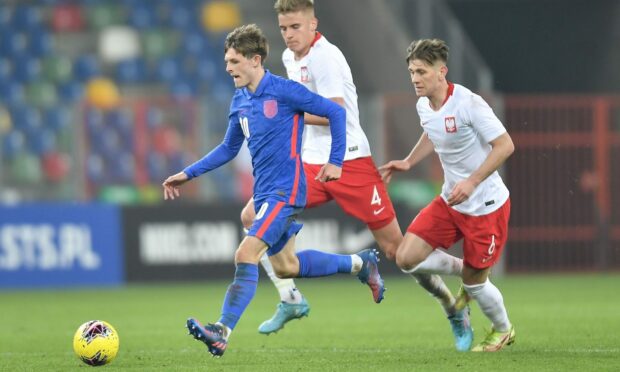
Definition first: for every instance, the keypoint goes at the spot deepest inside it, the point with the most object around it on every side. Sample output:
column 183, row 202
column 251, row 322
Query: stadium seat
column 67, row 18
column 26, row 169
column 118, row 43
column 57, row 118
column 12, row 93
column 143, row 16
column 26, row 69
column 168, row 69
column 57, row 68
column 132, row 71
column 13, row 143
column 157, row 44
column 26, row 119
column 26, row 17
column 6, row 70
column 184, row 88
column 13, row 44
column 122, row 122
column 86, row 67
column 41, row 94
column 56, row 166
column 184, row 17
column 156, row 166
column 95, row 168
column 40, row 42
column 220, row 16
column 71, row 91
column 123, row 166
column 102, row 15
column 42, row 142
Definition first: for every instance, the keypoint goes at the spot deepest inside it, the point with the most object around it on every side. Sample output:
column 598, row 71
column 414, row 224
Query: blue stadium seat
column 95, row 168
column 12, row 93
column 57, row 118
column 27, row 119
column 132, row 71
column 41, row 42
column 13, row 143
column 185, row 17
column 86, row 67
column 42, row 142
column 26, row 17
column 71, row 91
column 156, row 166
column 26, row 69
column 184, row 88
column 122, row 122
column 154, row 118
column 143, row 16
column 95, row 123
column 13, row 44
column 6, row 70
column 123, row 166
column 168, row 69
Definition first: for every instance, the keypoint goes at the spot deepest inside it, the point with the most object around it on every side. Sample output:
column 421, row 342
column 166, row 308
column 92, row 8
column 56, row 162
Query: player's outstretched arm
column 329, row 172
column 421, row 150
column 172, row 183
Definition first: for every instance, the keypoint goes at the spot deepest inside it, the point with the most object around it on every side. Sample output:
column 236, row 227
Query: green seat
column 41, row 94
column 104, row 15
column 158, row 43
column 26, row 169
column 57, row 69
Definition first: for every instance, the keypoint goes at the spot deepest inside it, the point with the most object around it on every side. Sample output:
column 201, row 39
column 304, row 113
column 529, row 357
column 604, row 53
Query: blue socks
column 317, row 263
column 239, row 294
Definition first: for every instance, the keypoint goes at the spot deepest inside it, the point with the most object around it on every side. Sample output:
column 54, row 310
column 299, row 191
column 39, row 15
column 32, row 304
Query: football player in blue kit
column 268, row 112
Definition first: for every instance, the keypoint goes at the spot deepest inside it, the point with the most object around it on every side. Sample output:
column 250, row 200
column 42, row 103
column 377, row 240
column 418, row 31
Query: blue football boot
column 284, row 313
column 369, row 274
column 213, row 335
column 462, row 330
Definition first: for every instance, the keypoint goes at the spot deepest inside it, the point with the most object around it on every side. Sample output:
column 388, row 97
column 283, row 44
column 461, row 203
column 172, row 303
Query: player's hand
column 329, row 172
column 461, row 192
column 171, row 185
column 387, row 170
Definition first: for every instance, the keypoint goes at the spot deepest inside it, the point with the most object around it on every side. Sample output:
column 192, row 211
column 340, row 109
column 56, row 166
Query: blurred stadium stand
column 101, row 100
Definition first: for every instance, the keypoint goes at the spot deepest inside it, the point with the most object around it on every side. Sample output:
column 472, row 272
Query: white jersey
column 460, row 132
column 325, row 71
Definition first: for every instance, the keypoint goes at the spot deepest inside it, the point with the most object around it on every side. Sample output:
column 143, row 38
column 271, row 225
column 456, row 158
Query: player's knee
column 285, row 272
column 406, row 260
column 247, row 217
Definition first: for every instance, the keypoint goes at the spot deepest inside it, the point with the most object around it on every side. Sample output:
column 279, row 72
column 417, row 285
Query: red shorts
column 360, row 192
column 483, row 237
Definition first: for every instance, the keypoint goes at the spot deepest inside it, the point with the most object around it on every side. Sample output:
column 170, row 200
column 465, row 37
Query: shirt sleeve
column 222, row 154
column 302, row 99
column 483, row 119
column 327, row 75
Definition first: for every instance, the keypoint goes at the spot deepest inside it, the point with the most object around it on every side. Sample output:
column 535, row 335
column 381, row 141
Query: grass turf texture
column 562, row 323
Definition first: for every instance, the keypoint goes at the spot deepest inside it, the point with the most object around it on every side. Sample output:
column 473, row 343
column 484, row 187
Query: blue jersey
column 272, row 121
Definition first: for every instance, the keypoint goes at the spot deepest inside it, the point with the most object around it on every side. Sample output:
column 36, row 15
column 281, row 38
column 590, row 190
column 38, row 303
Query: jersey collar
column 449, row 93
column 316, row 38
column 261, row 86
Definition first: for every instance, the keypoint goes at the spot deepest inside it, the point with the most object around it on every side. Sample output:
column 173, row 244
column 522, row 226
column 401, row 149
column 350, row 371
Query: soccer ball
column 96, row 343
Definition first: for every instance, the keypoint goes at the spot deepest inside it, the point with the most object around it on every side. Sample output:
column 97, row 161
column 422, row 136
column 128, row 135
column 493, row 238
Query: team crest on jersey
column 450, row 124
column 270, row 108
column 305, row 76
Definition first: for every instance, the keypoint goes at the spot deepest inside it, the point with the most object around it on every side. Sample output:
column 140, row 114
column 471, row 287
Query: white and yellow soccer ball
column 96, row 343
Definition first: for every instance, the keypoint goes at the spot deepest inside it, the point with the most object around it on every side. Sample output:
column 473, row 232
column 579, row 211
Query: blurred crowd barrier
column 563, row 177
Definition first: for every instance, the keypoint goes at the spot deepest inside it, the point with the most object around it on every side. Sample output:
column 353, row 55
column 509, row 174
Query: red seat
column 67, row 17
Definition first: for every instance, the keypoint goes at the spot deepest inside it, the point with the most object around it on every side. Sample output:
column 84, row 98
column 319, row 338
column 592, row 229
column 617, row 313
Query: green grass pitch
column 562, row 322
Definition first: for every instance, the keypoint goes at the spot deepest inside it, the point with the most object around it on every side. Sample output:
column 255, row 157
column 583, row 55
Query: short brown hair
column 290, row 6
column 428, row 50
column 248, row 40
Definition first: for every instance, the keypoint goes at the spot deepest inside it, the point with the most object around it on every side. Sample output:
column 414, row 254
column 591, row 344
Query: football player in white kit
column 319, row 65
column 474, row 203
